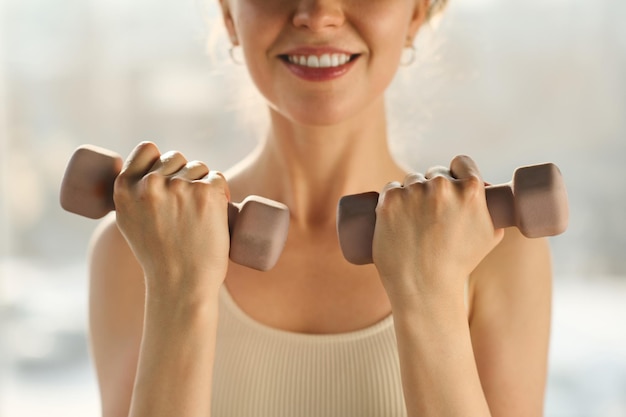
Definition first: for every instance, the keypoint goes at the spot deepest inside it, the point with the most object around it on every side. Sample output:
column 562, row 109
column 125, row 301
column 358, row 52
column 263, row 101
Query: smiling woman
column 316, row 334
column 177, row 329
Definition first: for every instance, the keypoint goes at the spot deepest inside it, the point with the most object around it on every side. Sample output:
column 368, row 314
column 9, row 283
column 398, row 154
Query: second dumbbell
column 535, row 201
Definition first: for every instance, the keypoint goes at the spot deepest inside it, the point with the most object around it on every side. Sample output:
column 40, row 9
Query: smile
column 321, row 61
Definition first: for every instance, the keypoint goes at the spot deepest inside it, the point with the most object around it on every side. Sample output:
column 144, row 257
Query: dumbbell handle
column 103, row 167
column 87, row 190
column 542, row 211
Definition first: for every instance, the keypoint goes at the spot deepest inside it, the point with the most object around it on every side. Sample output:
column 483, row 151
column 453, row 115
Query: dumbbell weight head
column 87, row 186
column 540, row 200
column 258, row 231
column 356, row 219
column 535, row 201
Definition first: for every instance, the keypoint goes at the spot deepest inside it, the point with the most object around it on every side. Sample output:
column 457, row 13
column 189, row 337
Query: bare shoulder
column 115, row 274
column 109, row 251
column 243, row 178
column 116, row 303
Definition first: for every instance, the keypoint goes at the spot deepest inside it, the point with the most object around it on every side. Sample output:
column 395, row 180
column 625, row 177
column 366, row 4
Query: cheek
column 387, row 32
column 257, row 19
column 386, row 48
column 256, row 39
column 258, row 28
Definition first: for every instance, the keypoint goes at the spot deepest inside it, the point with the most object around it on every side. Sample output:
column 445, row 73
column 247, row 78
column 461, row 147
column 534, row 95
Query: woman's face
column 318, row 62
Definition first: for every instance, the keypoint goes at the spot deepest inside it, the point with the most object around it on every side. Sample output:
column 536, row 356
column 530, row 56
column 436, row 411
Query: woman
column 452, row 319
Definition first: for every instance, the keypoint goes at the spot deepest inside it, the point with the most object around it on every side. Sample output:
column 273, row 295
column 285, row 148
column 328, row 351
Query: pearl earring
column 408, row 55
column 236, row 54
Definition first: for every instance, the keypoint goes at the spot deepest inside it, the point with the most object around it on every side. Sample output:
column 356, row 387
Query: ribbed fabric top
column 261, row 371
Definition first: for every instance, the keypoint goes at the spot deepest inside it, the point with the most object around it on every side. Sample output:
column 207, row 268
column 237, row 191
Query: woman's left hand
column 432, row 231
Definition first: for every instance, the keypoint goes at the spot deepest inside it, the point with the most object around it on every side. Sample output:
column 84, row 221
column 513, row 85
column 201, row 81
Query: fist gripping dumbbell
column 535, row 201
column 258, row 226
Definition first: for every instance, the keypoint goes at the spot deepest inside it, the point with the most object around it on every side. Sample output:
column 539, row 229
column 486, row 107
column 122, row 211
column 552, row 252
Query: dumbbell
column 535, row 201
column 258, row 226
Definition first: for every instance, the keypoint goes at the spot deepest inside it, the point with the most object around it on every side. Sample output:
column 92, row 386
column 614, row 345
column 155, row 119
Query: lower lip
column 320, row 74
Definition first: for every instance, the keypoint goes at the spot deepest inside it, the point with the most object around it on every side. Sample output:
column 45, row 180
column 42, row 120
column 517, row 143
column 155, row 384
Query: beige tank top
column 261, row 371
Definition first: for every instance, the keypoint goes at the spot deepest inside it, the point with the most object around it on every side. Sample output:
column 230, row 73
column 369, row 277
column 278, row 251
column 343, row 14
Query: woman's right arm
column 116, row 310
column 155, row 275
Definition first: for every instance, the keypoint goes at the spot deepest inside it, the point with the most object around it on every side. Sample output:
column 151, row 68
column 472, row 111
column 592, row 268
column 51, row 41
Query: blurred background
column 509, row 82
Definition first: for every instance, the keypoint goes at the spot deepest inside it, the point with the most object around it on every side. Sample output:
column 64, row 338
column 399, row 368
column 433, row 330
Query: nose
column 317, row 15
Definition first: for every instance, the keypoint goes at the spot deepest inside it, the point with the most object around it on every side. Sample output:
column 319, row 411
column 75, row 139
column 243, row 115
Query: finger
column 140, row 160
column 169, row 163
column 413, row 178
column 391, row 186
column 192, row 171
column 217, row 179
column 438, row 171
column 463, row 166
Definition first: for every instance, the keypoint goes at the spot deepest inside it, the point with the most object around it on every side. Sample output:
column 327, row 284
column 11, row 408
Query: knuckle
column 392, row 201
column 392, row 194
column 177, row 184
column 474, row 182
column 409, row 178
column 151, row 190
column 440, row 183
column 202, row 192
column 473, row 185
column 214, row 187
column 415, row 188
column 122, row 180
column 152, row 178
column 121, row 189
column 218, row 180
column 413, row 178
column 440, row 193
column 437, row 170
column 123, row 186
column 152, row 182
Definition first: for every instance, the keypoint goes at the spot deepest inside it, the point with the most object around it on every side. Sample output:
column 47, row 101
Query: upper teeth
column 324, row 61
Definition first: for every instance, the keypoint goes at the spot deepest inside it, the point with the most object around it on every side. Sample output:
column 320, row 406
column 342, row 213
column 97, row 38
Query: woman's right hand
column 174, row 215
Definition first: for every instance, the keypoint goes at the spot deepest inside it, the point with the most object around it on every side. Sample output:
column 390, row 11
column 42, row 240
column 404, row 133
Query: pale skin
column 157, row 265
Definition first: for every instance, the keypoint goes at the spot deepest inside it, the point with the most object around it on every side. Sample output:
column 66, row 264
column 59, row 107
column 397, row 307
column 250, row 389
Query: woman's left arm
column 497, row 365
column 431, row 234
column 509, row 316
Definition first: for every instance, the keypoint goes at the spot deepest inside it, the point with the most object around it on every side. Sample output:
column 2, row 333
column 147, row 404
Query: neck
column 311, row 168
